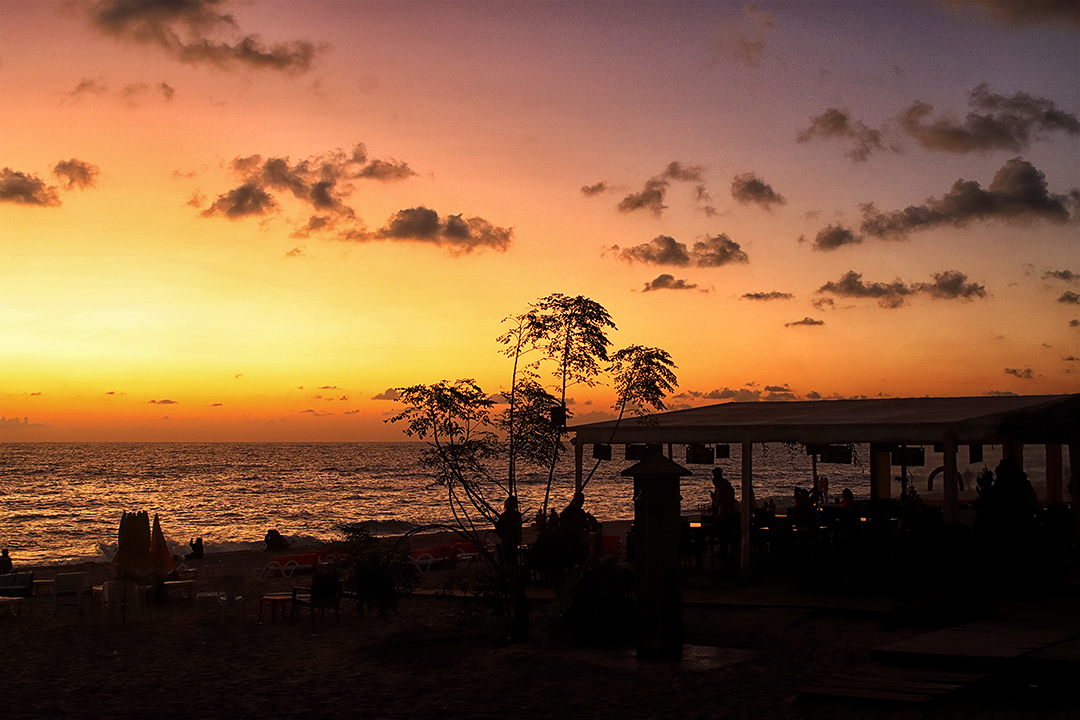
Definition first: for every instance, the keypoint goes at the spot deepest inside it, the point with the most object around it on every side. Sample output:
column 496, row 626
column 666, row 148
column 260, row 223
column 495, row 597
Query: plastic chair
column 325, row 592
column 228, row 599
column 71, row 591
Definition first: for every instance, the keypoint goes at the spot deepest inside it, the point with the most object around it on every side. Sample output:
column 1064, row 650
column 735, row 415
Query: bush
column 377, row 576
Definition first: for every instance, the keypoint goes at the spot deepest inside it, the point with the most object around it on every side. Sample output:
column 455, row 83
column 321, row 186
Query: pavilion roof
column 966, row 420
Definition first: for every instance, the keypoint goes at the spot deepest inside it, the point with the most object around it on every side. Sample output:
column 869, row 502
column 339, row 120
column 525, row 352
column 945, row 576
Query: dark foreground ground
column 748, row 650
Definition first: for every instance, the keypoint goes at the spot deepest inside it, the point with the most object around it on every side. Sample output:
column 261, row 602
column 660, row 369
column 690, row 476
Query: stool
column 278, row 603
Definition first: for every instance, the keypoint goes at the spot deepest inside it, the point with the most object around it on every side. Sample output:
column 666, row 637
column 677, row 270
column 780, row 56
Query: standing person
column 723, row 494
column 5, row 562
column 508, row 528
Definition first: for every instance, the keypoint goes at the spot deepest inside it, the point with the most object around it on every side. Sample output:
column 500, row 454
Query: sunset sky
column 249, row 220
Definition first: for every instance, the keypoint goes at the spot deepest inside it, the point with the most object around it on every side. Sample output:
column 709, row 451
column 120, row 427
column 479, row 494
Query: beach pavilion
column 887, row 425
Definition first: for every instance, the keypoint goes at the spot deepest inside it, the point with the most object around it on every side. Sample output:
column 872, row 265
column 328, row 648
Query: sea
column 61, row 503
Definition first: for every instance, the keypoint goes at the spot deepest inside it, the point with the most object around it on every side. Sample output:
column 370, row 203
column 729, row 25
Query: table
column 279, row 603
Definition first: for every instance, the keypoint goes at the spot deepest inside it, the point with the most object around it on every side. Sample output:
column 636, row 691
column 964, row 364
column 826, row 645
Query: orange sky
column 248, row 220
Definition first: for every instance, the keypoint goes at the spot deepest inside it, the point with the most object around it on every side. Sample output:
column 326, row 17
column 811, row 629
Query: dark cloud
column 591, row 190
column 888, row 295
column 666, row 250
column 246, row 200
column 726, row 393
column 185, row 29
column 822, row 303
column 1018, row 193
column 834, row 236
column 1005, row 123
column 650, row 198
column 775, row 295
column 1021, row 13
column 717, row 251
column 805, row 321
column 749, row 188
column 1074, row 323
column 458, row 234
column 951, row 285
column 76, row 173
column 777, row 388
column 661, row 250
column 22, row 189
column 947, row 285
column 742, row 40
column 161, row 402
column 1066, row 275
column 1069, row 297
column 1025, row 374
column 323, row 182
column 387, row 394
column 835, row 123
column 667, row 282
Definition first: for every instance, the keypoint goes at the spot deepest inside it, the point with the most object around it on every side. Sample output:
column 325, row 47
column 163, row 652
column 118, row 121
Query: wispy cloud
column 1023, row 374
column 748, row 188
column 190, row 31
column 1063, row 14
column 837, row 124
column 76, row 173
column 774, row 295
column 805, row 321
column 665, row 281
column 741, row 40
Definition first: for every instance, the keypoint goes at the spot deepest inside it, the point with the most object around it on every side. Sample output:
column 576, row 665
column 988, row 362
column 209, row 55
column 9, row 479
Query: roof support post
column 880, row 472
column 951, row 489
column 1053, row 474
column 747, row 508
column 1074, row 484
column 579, row 455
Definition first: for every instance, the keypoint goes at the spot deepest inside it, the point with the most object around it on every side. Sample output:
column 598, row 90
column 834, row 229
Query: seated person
column 275, row 541
column 5, row 562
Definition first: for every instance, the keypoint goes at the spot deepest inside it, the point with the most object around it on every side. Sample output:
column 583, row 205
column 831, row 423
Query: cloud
column 774, row 295
column 749, row 188
column 76, row 173
column 593, row 190
column 162, row 402
column 661, row 250
column 951, row 285
column 1005, row 123
column 742, row 40
column 667, row 282
column 1025, row 374
column 888, row 295
column 665, row 250
column 833, row 124
column 1017, row 194
column 832, row 237
column 244, row 201
column 805, row 321
column 1069, row 297
column 1066, row 275
column 185, row 29
column 22, row 189
column 322, row 182
column 1063, row 14
column 295, row 252
column 89, row 86
column 387, row 394
column 651, row 197
column 717, row 251
column 455, row 232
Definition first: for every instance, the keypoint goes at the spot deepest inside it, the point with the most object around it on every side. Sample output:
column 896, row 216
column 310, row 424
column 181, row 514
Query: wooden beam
column 747, row 508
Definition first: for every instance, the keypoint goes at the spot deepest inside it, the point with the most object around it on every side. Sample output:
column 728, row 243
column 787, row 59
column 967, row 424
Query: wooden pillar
column 1074, row 485
column 951, row 488
column 747, row 508
column 880, row 471
column 1053, row 475
column 579, row 455
column 657, row 557
column 1015, row 452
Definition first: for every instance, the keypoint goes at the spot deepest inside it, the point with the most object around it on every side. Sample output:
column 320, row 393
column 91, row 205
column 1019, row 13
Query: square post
column 747, row 508
column 951, row 489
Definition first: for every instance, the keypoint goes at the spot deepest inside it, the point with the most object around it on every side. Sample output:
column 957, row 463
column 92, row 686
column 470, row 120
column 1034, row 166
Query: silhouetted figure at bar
column 275, row 541
column 196, row 550
column 722, row 494
column 847, row 499
column 508, row 528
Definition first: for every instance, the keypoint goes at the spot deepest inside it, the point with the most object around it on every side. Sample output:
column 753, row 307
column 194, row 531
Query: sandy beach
column 748, row 649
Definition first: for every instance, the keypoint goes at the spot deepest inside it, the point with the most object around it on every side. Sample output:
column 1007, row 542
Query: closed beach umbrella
column 132, row 557
column 161, row 563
